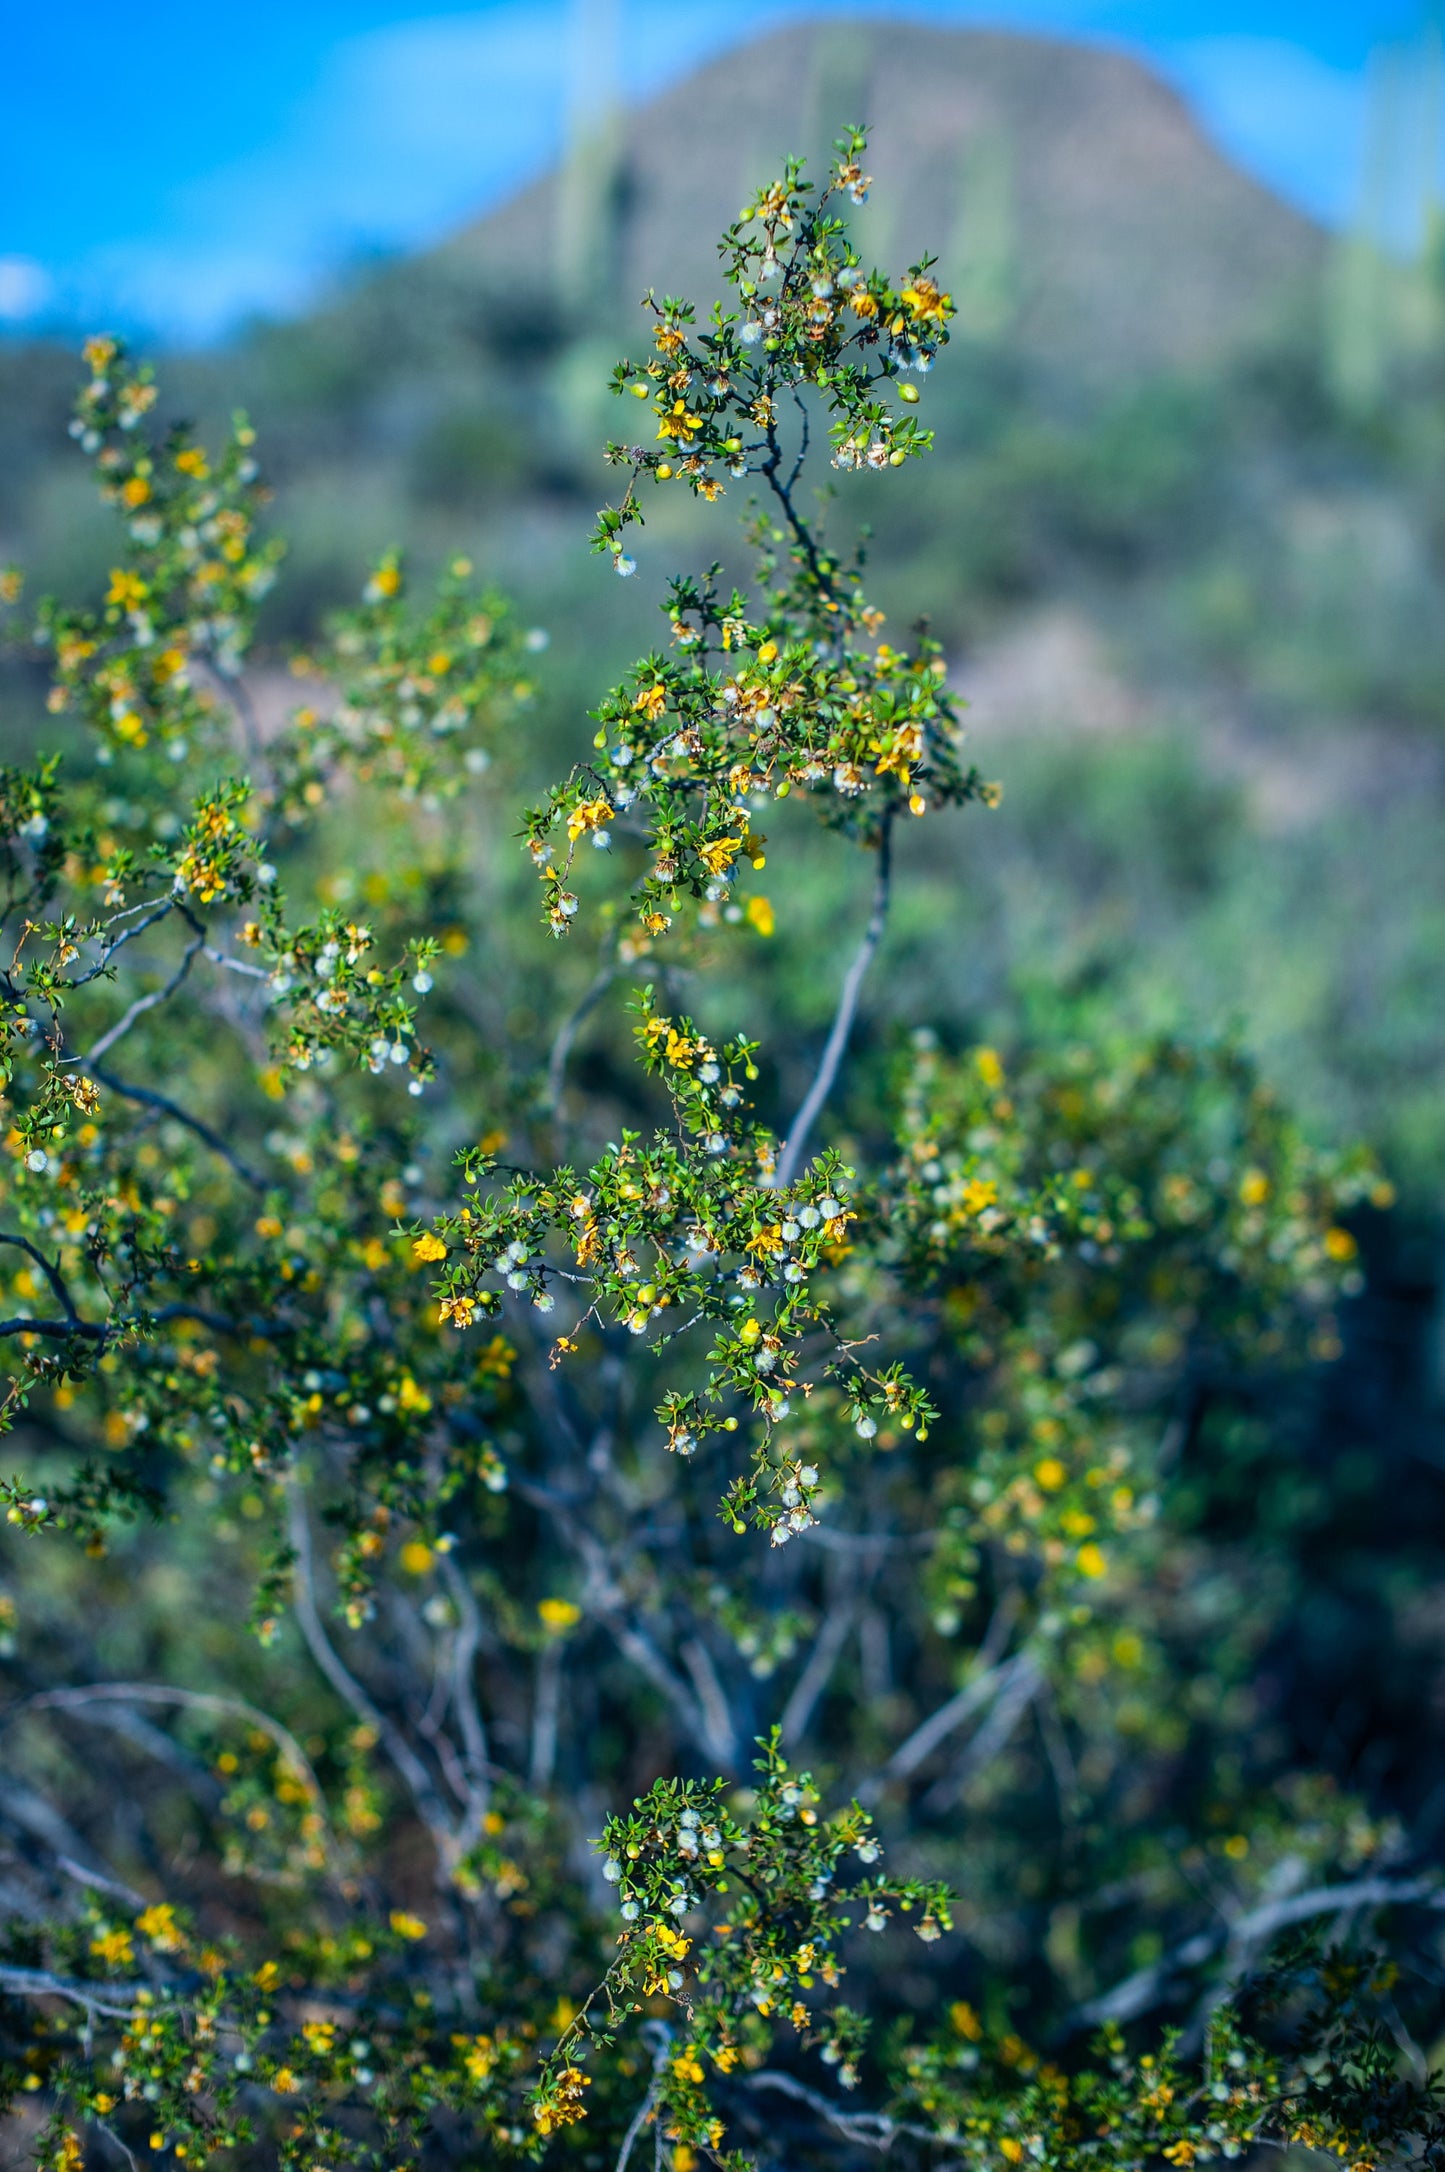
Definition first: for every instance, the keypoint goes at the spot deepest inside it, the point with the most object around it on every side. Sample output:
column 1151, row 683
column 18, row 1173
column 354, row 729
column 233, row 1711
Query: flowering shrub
column 446, row 1378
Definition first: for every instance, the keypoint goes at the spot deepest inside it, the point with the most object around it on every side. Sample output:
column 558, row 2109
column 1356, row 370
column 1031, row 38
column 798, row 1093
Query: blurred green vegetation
column 1248, row 549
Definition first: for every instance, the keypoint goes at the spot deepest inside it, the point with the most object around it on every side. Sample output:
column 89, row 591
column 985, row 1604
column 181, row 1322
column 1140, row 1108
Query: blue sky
column 180, row 166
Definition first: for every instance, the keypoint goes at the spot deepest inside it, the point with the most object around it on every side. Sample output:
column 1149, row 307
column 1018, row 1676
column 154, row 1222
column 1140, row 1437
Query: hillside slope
column 1070, row 194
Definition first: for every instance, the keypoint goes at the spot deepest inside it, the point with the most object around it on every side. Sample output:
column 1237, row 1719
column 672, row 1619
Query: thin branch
column 93, row 1878
column 38, row 1983
column 874, row 2130
column 939, row 1725
column 234, row 965
column 1010, row 1705
column 191, row 1700
column 127, row 935
column 476, row 1757
column 142, row 1004
column 152, row 1100
column 822, row 1085
column 546, row 1704
column 49, row 1268
column 429, row 1805
column 720, row 1735
column 567, row 1033
column 783, row 492
column 648, row 2105
column 1148, row 1986
column 811, row 1683
column 58, row 1330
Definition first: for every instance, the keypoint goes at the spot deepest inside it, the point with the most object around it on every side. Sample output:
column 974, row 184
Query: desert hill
column 1070, row 194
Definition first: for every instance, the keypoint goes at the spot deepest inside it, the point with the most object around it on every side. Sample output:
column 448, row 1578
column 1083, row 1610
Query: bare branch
column 429, row 1805
column 38, row 1983
column 939, row 1725
column 1010, row 1704
column 546, row 1703
column 476, row 1759
column 842, row 1026
column 648, row 2105
column 49, row 1268
column 567, row 1033
column 142, row 1004
column 192, row 1700
column 148, row 1098
column 127, row 935
column 811, row 1683
column 874, row 2130
column 720, row 1735
column 1148, row 1986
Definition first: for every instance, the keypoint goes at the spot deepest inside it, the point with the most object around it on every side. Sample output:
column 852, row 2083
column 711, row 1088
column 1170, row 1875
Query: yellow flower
column 407, row 1926
column 192, row 461
column 1340, row 1245
column 1254, row 1188
column 558, row 1615
column 989, row 1068
column 588, row 814
column 158, row 1924
column 1050, row 1474
column 135, row 491
column 565, row 2105
column 126, row 589
column 416, row 1557
column 718, row 854
column 427, row 1248
column 926, row 303
column 113, row 1947
column 760, row 915
column 1092, row 1561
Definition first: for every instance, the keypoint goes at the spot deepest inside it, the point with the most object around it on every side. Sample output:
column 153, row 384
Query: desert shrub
column 544, row 1621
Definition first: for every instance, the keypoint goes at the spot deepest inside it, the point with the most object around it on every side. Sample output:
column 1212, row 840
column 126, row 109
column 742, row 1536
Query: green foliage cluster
column 280, row 1275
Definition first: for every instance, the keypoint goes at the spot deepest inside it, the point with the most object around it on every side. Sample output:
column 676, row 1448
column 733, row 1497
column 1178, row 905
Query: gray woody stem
column 822, row 1084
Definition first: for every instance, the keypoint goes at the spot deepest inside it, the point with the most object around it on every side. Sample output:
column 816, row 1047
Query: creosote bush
column 584, row 1458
